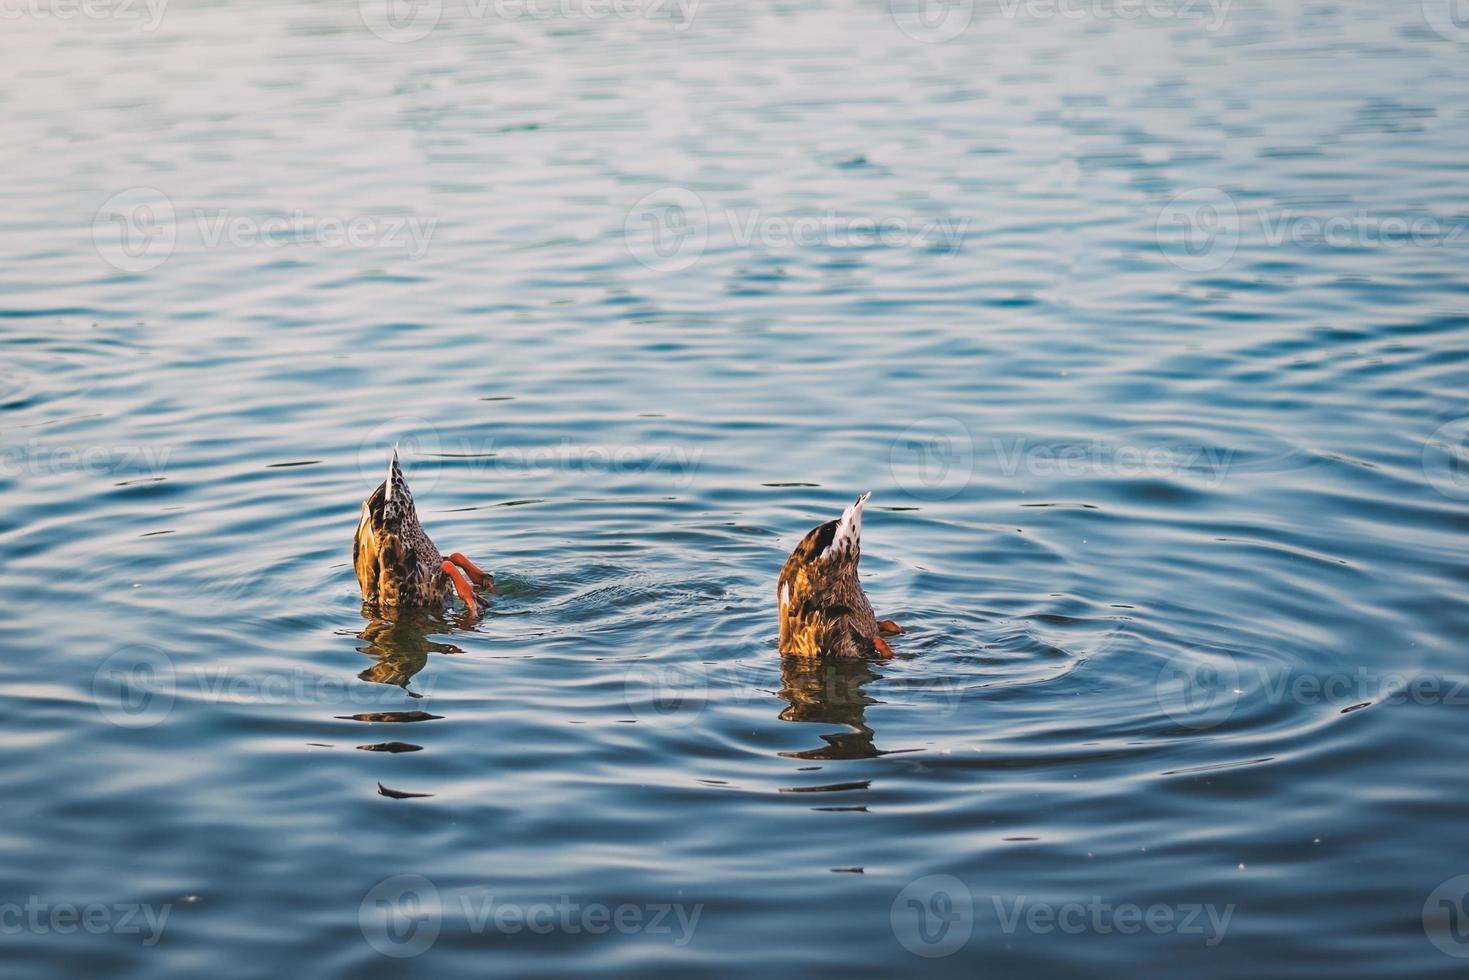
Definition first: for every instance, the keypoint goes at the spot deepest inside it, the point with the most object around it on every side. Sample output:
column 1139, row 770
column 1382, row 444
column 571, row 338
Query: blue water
column 1150, row 336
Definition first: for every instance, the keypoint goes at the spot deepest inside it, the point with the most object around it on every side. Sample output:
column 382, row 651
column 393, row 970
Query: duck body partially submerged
column 823, row 610
column 397, row 563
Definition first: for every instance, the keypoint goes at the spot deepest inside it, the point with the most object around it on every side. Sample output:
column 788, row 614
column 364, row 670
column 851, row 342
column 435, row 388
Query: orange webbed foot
column 888, row 628
column 477, row 575
column 461, row 585
column 881, row 646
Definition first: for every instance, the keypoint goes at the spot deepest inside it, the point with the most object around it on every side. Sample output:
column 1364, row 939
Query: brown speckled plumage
column 823, row 611
column 397, row 564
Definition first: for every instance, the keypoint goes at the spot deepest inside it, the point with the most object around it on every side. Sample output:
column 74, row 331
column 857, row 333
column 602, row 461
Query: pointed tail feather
column 849, row 528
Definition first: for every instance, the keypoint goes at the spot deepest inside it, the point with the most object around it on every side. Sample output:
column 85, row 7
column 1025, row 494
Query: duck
column 397, row 564
column 823, row 610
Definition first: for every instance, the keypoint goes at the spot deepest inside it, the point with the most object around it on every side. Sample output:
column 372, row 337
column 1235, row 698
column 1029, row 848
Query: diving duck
column 397, row 565
column 823, row 611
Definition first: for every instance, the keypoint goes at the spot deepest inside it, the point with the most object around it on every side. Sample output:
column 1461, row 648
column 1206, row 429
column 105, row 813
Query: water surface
column 1152, row 349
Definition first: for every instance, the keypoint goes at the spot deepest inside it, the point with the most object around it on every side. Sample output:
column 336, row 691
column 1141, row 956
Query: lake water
column 1149, row 334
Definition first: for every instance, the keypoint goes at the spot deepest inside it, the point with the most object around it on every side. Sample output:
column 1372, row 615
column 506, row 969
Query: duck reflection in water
column 400, row 647
column 830, row 691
